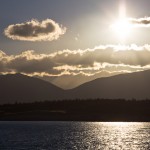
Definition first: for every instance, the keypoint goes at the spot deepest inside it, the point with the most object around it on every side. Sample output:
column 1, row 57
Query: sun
column 122, row 28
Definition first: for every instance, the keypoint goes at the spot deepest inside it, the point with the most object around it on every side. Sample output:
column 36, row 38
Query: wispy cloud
column 140, row 22
column 89, row 61
column 78, row 66
column 46, row 30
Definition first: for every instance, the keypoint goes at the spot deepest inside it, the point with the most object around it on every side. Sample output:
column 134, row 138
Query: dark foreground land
column 78, row 110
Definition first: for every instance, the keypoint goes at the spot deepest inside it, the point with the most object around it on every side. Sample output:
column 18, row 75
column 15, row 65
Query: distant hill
column 131, row 85
column 21, row 88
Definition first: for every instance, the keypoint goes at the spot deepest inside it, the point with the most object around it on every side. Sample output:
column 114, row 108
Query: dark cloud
column 90, row 63
column 3, row 62
column 132, row 55
column 141, row 22
column 29, row 62
column 78, row 66
column 33, row 30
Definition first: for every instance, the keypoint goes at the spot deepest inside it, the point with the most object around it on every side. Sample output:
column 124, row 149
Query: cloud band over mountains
column 88, row 62
column 46, row 30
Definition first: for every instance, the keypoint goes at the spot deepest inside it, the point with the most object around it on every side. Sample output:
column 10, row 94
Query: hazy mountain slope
column 18, row 87
column 132, row 85
column 21, row 88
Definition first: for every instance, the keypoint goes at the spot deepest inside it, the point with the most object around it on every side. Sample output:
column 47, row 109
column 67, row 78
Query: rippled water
column 74, row 135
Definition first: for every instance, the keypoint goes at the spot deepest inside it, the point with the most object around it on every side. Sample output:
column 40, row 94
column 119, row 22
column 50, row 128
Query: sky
column 70, row 42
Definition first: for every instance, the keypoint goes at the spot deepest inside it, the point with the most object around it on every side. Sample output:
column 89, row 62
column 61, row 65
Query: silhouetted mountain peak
column 128, row 86
column 22, row 88
column 141, row 74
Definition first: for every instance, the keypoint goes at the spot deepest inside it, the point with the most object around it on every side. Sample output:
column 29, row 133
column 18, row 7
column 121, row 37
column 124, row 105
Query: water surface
column 74, row 135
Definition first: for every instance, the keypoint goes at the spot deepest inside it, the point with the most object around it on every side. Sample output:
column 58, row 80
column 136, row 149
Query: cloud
column 46, row 30
column 111, row 54
column 3, row 62
column 88, row 64
column 75, row 61
column 140, row 22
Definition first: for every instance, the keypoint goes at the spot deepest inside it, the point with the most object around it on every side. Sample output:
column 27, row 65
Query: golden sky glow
column 77, row 41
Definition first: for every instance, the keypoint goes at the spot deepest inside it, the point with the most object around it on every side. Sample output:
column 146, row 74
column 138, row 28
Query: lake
column 74, row 135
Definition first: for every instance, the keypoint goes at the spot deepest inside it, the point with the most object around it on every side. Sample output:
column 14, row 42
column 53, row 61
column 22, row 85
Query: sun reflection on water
column 121, row 135
column 75, row 135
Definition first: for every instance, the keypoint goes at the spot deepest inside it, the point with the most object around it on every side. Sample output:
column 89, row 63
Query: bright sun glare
column 122, row 28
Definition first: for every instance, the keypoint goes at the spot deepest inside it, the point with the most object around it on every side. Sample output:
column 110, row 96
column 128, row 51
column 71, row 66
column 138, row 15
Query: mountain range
column 22, row 88
column 127, row 86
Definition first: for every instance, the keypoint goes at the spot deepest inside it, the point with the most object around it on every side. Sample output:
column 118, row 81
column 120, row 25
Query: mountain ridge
column 126, row 86
column 22, row 88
